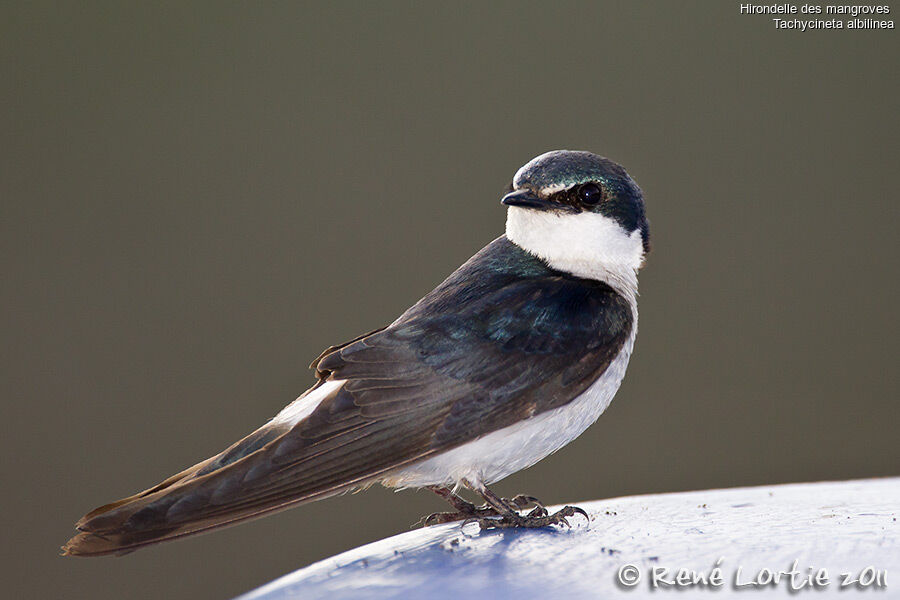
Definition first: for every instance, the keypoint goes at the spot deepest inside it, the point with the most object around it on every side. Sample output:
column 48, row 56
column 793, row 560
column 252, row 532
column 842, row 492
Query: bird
column 506, row 361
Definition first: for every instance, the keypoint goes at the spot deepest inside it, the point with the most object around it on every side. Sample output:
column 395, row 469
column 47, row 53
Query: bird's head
column 579, row 212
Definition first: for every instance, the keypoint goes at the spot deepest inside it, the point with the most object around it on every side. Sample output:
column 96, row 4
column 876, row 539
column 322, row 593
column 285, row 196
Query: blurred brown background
column 196, row 200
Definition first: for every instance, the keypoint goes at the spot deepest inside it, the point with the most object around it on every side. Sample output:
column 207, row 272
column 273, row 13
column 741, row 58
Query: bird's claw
column 538, row 517
column 580, row 511
column 505, row 515
column 437, row 519
column 522, row 501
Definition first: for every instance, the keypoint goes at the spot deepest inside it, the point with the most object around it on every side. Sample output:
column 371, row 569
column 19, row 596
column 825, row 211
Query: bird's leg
column 456, row 501
column 464, row 508
column 509, row 516
column 495, row 506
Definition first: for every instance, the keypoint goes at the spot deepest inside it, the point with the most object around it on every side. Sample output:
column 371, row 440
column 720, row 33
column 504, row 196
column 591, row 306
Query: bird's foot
column 477, row 512
column 538, row 517
column 466, row 511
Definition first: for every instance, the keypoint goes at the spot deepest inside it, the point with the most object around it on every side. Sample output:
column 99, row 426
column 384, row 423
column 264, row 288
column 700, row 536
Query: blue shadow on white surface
column 839, row 526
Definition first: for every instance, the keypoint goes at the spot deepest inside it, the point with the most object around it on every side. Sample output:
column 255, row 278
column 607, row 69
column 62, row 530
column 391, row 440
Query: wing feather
column 502, row 339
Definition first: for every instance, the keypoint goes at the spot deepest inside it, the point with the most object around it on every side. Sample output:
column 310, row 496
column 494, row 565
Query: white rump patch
column 303, row 406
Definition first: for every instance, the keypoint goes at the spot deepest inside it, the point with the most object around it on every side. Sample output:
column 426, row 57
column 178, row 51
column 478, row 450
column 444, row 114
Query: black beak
column 528, row 199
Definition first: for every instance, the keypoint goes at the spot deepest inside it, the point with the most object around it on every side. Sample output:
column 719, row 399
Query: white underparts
column 499, row 454
column 587, row 245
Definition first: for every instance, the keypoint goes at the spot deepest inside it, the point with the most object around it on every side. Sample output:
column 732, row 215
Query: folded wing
column 456, row 366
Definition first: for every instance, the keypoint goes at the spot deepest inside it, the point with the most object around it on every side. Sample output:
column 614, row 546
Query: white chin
column 584, row 244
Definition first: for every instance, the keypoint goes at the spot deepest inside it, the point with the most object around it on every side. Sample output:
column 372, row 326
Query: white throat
column 585, row 244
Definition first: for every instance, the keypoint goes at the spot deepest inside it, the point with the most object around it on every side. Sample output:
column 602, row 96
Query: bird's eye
column 590, row 194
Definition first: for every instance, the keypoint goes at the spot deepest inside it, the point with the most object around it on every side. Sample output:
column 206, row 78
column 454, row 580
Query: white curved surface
column 839, row 526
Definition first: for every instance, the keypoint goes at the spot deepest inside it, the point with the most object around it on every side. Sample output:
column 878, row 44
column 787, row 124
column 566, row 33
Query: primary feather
column 457, row 366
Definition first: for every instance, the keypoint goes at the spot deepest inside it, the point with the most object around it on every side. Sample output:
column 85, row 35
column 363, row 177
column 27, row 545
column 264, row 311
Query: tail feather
column 283, row 464
column 209, row 495
column 106, row 508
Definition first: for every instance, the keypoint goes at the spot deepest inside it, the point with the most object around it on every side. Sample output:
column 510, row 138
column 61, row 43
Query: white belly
column 499, row 454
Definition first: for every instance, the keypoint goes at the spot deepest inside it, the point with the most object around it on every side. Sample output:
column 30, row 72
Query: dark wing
column 456, row 366
column 528, row 347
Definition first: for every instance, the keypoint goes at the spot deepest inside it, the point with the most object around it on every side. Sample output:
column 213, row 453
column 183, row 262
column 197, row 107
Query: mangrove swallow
column 505, row 362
